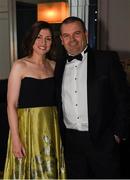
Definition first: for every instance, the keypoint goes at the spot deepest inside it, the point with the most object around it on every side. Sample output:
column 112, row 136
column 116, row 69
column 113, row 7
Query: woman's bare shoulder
column 19, row 67
column 20, row 63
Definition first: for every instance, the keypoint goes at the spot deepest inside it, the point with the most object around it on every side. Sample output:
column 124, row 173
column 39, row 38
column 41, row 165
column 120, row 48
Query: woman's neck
column 39, row 60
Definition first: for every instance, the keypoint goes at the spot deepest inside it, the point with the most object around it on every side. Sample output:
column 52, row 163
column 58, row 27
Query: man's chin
column 74, row 53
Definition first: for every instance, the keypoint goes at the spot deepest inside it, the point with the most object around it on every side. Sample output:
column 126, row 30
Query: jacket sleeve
column 121, row 92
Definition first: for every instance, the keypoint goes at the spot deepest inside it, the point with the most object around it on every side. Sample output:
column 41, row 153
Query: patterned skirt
column 39, row 133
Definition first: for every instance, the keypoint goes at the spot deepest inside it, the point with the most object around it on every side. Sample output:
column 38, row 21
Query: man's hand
column 118, row 140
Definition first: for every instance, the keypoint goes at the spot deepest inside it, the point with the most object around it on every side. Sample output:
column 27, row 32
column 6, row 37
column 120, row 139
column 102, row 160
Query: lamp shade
column 53, row 12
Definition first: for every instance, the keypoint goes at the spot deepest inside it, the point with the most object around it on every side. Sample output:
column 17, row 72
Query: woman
column 34, row 145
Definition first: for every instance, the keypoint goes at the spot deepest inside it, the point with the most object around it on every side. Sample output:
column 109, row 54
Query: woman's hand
column 18, row 148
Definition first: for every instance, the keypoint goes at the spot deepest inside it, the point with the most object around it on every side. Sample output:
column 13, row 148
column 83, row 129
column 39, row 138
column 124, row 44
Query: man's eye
column 65, row 36
column 77, row 33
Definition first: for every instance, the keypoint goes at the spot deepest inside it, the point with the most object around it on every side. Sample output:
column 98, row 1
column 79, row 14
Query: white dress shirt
column 74, row 94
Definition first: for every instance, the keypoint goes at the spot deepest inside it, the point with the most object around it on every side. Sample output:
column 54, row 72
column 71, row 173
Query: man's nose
column 72, row 38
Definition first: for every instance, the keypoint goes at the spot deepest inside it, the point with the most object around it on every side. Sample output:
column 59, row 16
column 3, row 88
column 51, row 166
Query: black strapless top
column 37, row 92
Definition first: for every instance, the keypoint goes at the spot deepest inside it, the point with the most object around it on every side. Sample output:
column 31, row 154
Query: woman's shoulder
column 20, row 63
column 19, row 66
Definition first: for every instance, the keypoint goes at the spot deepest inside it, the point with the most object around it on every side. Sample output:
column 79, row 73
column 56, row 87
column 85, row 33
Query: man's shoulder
column 104, row 54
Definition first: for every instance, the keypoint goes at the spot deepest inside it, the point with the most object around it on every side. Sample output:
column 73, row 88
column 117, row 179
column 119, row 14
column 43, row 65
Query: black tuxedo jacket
column 107, row 90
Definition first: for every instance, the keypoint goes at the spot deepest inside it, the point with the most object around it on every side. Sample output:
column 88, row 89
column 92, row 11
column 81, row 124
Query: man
column 94, row 95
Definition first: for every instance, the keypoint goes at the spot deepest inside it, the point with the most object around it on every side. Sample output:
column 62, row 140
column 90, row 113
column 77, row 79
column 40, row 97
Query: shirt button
column 76, row 104
column 75, row 91
column 75, row 78
column 77, row 117
column 75, row 66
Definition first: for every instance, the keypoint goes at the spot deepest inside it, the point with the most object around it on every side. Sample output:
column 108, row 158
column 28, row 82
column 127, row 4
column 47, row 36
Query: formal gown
column 39, row 133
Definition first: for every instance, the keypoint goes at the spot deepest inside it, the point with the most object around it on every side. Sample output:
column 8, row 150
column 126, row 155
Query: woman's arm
column 14, row 83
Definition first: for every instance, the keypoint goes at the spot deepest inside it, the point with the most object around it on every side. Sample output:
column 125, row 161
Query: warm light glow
column 53, row 12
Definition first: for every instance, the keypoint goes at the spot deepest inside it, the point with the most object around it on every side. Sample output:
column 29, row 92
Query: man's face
column 73, row 37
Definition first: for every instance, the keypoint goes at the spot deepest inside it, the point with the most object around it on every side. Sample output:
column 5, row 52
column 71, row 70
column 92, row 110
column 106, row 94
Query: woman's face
column 43, row 42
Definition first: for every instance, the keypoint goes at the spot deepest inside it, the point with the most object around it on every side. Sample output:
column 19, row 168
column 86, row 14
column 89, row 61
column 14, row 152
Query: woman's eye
column 49, row 39
column 38, row 37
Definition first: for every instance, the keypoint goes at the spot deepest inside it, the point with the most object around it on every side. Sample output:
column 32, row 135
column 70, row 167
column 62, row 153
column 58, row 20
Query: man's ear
column 86, row 33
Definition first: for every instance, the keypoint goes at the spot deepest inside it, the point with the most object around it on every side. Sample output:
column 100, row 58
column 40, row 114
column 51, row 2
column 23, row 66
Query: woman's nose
column 43, row 41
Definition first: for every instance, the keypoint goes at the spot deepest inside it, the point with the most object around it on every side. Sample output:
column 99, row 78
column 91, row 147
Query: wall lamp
column 52, row 12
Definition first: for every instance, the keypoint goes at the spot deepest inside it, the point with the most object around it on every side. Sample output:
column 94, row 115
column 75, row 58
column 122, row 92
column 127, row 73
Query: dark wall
column 26, row 15
column 4, row 127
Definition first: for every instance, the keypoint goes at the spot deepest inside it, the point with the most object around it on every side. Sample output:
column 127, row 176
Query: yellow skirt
column 39, row 133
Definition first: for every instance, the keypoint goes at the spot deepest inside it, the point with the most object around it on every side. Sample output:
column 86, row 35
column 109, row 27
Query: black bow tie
column 78, row 57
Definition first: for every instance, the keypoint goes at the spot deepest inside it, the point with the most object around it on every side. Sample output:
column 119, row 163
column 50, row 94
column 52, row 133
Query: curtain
column 80, row 9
